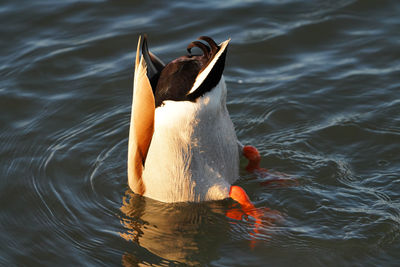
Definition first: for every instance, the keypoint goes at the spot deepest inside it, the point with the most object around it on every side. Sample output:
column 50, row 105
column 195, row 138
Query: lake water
column 314, row 85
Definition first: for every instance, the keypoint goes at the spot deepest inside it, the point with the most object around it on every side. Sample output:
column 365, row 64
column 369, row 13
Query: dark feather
column 154, row 64
column 177, row 77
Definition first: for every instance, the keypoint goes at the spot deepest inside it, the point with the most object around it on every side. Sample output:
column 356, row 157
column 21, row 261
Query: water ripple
column 313, row 85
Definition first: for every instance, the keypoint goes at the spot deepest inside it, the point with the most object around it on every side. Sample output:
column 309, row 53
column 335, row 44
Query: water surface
column 314, row 85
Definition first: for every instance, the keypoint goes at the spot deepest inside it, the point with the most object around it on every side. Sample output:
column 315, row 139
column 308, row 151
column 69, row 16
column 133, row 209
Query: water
column 313, row 84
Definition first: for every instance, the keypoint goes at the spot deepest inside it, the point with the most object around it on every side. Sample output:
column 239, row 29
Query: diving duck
column 182, row 142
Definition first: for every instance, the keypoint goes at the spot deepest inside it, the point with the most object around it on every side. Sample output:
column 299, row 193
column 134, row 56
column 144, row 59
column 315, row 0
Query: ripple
column 313, row 85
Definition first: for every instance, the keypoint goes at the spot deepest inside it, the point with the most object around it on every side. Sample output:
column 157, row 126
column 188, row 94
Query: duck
column 182, row 143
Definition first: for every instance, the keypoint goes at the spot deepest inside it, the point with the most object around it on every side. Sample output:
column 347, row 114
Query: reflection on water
column 185, row 232
column 176, row 232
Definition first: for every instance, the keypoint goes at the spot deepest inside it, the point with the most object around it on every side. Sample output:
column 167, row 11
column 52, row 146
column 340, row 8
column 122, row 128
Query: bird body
column 182, row 143
column 193, row 155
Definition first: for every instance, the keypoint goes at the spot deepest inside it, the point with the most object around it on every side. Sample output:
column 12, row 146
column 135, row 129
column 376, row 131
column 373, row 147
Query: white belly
column 193, row 155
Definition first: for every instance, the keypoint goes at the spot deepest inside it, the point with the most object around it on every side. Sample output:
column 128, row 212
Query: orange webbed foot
column 274, row 179
column 247, row 208
column 262, row 217
column 253, row 156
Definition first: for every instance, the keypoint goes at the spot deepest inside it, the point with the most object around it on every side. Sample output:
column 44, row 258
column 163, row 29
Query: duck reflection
column 188, row 233
column 177, row 232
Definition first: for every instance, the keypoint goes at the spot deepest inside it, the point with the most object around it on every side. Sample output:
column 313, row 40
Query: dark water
column 315, row 85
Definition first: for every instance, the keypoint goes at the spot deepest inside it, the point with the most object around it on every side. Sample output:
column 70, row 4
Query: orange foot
column 251, row 153
column 274, row 179
column 263, row 216
column 247, row 209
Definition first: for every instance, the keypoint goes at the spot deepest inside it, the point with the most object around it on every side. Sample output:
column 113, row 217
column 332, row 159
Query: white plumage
column 193, row 154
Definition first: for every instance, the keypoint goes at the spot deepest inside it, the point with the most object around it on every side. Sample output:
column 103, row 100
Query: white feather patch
column 203, row 75
column 193, row 155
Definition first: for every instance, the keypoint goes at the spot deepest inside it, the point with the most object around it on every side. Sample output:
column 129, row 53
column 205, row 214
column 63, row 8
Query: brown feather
column 142, row 124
